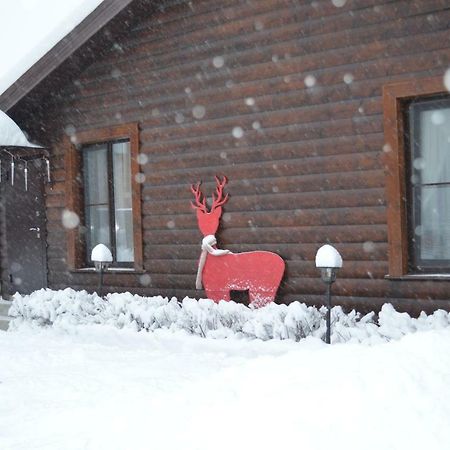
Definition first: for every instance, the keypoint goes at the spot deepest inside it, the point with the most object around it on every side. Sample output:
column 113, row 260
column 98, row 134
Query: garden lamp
column 328, row 260
column 101, row 256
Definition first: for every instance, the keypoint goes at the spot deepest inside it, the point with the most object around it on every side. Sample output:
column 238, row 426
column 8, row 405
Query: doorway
column 24, row 224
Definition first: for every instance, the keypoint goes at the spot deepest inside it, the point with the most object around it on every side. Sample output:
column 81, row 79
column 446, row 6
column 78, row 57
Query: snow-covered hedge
column 205, row 318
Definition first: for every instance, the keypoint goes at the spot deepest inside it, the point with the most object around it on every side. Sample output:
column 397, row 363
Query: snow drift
column 67, row 308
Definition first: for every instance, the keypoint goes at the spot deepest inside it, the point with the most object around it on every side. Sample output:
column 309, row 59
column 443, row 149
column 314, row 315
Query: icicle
column 48, row 170
column 26, row 175
column 12, row 171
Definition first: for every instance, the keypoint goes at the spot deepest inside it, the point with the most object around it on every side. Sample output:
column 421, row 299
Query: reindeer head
column 208, row 221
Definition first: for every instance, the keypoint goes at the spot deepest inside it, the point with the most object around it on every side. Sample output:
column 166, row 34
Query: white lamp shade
column 101, row 253
column 328, row 256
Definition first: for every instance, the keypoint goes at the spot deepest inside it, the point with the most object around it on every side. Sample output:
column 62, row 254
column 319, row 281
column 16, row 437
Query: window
column 102, row 189
column 108, row 200
column 428, row 150
column 417, row 163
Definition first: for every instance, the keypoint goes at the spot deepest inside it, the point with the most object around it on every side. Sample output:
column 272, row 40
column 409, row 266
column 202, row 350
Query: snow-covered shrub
column 206, row 318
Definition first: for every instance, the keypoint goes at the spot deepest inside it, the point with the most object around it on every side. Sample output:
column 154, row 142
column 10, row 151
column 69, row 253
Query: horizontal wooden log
column 347, row 234
column 284, row 202
column 273, row 169
column 307, row 269
column 250, row 137
column 236, row 187
column 306, row 217
column 321, row 147
column 301, row 252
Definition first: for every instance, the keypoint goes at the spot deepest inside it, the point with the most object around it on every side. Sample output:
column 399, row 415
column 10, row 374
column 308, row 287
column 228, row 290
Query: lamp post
column 328, row 260
column 102, row 258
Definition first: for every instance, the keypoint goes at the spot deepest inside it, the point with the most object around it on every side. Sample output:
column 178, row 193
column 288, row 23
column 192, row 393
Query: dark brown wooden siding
column 307, row 169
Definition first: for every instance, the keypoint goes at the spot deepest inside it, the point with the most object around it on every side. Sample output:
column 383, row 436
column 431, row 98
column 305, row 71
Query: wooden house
column 330, row 119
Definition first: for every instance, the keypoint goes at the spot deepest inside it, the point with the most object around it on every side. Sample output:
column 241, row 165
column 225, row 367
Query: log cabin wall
column 301, row 81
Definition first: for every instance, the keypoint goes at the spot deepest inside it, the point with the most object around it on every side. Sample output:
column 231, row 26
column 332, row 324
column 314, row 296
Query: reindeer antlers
column 200, row 203
column 218, row 198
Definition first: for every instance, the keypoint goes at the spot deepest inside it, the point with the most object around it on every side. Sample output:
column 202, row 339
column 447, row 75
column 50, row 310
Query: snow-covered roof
column 11, row 135
column 77, row 21
column 30, row 28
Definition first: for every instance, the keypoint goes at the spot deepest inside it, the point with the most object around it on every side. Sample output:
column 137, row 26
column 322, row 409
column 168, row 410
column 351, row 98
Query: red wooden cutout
column 220, row 271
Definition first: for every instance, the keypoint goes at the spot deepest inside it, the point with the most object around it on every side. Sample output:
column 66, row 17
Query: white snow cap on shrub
column 68, row 309
column 101, row 253
column 328, row 256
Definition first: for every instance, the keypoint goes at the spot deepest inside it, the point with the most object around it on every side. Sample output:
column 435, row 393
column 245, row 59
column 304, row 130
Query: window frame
column 76, row 248
column 108, row 145
column 396, row 97
column 414, row 205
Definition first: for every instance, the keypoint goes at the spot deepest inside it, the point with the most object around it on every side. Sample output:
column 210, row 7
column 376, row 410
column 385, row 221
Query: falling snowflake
column 348, row 78
column 368, row 246
column 145, row 279
column 218, row 62
column 310, row 81
column 237, row 132
column 70, row 219
column 179, row 117
column 142, row 159
column 198, row 111
column 140, row 178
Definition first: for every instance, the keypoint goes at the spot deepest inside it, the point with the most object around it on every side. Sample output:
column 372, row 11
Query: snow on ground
column 34, row 26
column 97, row 387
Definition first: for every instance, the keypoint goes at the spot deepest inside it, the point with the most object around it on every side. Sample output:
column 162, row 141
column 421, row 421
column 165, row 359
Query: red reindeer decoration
column 221, row 271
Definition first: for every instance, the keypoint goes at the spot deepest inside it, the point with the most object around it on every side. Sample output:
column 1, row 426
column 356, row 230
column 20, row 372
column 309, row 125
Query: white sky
column 30, row 28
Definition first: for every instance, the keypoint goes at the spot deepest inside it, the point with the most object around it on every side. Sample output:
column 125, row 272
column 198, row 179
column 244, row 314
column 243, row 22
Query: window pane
column 96, row 175
column 123, row 211
column 434, row 229
column 97, row 224
column 434, row 159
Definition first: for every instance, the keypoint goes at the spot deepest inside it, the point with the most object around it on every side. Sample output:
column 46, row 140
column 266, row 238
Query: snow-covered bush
column 208, row 319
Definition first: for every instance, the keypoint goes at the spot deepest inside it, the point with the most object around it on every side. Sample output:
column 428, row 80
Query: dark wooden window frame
column 396, row 97
column 74, row 188
column 413, row 139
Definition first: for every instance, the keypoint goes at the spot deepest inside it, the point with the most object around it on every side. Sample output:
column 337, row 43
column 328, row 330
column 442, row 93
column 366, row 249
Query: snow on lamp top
column 11, row 135
column 101, row 253
column 328, row 256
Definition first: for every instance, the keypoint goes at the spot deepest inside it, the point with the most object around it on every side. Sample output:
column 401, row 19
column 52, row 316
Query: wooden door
column 25, row 223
